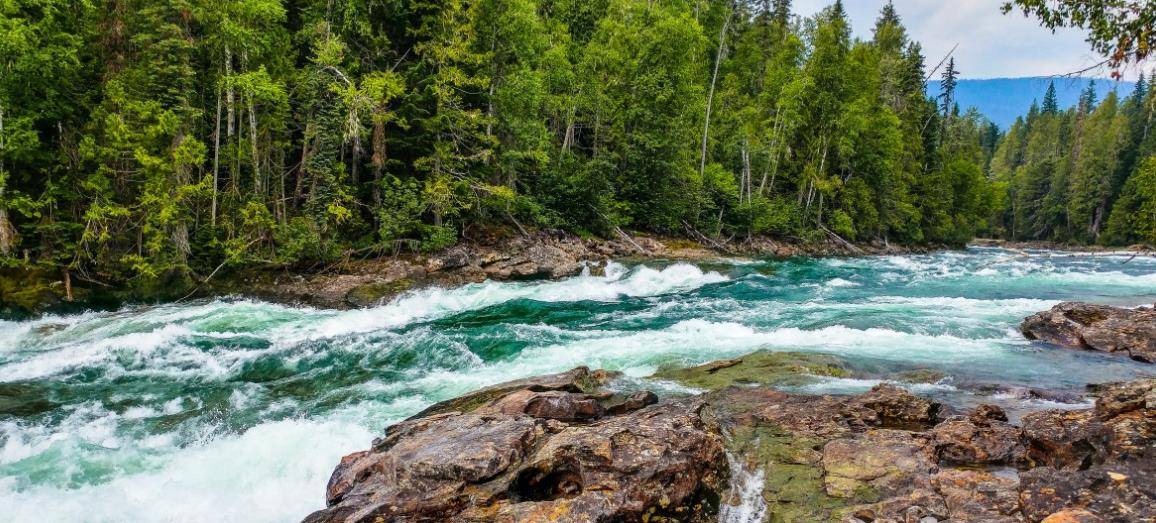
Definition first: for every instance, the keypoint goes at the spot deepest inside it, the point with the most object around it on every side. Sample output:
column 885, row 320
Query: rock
column 1073, row 516
column 661, row 460
column 454, row 258
column 1114, row 399
column 617, row 406
column 551, row 404
column 559, row 448
column 1103, row 460
column 977, row 440
column 1046, row 491
column 371, row 294
column 1065, row 439
column 579, row 380
column 880, row 464
column 760, row 368
column 896, row 407
column 970, row 494
column 1131, row 332
column 987, row 413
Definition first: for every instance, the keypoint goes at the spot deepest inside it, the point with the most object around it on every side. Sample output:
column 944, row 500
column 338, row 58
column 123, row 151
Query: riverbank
column 497, row 255
column 1053, row 246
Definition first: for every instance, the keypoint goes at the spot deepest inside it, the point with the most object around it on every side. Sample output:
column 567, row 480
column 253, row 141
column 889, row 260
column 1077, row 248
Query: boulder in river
column 538, row 450
column 1131, row 332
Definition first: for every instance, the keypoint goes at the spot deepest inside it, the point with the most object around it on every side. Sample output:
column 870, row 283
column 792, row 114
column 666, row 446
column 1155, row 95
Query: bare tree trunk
column 216, row 162
column 67, row 285
column 258, row 187
column 710, row 97
column 745, row 187
column 254, row 150
column 378, row 159
column 7, row 232
column 231, row 113
column 299, row 190
column 773, row 159
column 180, row 230
column 568, row 138
column 493, row 85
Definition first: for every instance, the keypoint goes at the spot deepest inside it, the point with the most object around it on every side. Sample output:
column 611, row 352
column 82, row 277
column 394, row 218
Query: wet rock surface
column 538, row 450
column 1129, row 332
column 561, row 448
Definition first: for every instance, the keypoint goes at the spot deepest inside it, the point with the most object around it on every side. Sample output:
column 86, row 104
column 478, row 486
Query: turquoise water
column 237, row 410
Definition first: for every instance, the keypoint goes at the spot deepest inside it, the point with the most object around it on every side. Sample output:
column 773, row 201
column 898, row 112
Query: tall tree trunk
column 231, row 113
column 258, row 187
column 299, row 189
column 180, row 230
column 216, row 162
column 378, row 159
column 7, row 232
column 713, row 81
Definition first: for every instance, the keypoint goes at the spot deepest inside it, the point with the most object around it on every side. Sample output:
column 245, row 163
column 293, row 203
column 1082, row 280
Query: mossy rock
column 25, row 292
column 920, row 376
column 793, row 477
column 772, row 369
column 372, row 294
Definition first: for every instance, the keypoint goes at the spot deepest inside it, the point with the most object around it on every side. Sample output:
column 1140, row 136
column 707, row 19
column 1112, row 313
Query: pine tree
column 1141, row 90
column 947, row 88
column 1051, row 103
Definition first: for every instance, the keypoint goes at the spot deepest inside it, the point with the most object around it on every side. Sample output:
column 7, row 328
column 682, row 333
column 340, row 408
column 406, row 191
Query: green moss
column 776, row 369
column 920, row 376
column 28, row 291
column 373, row 293
column 793, row 484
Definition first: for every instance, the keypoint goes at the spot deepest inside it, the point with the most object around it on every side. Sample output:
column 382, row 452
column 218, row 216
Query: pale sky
column 991, row 45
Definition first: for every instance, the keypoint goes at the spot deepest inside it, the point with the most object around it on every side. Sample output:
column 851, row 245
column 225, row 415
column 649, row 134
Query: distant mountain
column 1004, row 99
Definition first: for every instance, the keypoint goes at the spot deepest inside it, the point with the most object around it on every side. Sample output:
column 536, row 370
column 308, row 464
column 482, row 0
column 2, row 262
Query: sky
column 991, row 44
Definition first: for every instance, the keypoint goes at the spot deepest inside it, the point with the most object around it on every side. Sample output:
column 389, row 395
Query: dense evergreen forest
column 1086, row 174
column 142, row 140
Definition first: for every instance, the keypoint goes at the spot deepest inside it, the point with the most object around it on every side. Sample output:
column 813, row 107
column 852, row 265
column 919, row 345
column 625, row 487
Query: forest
column 1082, row 175
column 154, row 140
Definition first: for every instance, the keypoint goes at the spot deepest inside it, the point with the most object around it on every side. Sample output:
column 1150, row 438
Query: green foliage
column 159, row 139
column 1075, row 175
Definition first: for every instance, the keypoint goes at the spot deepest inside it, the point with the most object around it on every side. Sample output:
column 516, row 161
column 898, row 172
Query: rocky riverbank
column 505, row 256
column 1069, row 247
column 578, row 447
column 360, row 282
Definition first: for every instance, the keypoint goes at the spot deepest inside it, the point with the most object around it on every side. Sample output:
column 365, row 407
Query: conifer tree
column 1051, row 104
column 947, row 87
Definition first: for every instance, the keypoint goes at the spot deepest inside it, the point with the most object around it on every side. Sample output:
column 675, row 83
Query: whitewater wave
column 691, row 342
column 617, row 282
column 270, row 473
column 211, row 339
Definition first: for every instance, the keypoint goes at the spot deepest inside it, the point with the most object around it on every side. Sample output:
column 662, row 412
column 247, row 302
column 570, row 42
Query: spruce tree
column 1051, row 104
column 947, row 88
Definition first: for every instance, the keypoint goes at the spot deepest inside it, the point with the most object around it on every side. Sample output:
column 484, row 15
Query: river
column 238, row 410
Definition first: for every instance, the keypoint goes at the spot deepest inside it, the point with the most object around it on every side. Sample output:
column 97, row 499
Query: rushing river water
column 235, row 410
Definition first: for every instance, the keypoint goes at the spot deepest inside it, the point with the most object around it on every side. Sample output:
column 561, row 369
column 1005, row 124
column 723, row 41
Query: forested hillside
column 149, row 138
column 1002, row 100
column 1086, row 174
